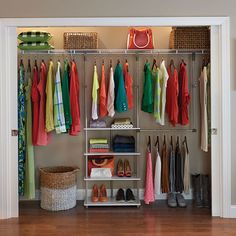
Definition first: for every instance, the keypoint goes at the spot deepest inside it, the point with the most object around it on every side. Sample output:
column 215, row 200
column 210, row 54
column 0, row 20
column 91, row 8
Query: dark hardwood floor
column 156, row 219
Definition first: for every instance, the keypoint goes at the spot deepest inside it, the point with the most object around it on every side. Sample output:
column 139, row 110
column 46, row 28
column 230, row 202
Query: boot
column 197, row 190
column 206, row 191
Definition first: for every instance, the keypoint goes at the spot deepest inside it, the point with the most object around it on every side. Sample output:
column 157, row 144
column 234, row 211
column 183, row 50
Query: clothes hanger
column 157, row 142
column 164, row 143
column 29, row 65
column 118, row 61
column 110, row 63
column 185, row 140
column 21, row 62
column 171, row 142
column 102, row 61
column 149, row 142
column 203, row 63
column 177, row 141
column 154, row 63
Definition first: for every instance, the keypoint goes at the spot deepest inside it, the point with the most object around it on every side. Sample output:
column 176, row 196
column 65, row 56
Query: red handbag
column 101, row 162
column 140, row 39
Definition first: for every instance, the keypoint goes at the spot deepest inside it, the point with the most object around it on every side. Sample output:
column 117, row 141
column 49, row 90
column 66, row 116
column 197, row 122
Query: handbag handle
column 101, row 164
column 141, row 47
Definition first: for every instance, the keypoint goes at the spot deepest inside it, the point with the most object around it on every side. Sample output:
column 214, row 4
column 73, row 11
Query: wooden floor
column 156, row 219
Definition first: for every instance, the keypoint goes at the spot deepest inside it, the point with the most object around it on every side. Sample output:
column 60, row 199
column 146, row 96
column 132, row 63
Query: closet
column 64, row 149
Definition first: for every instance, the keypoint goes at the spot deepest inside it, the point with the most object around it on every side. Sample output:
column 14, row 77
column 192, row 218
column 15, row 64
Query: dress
column 35, row 101
column 74, row 100
column 156, row 74
column 157, row 174
column 21, row 131
column 184, row 97
column 163, row 84
column 42, row 139
column 111, row 95
column 128, row 85
column 179, row 186
column 103, row 95
column 164, row 170
column 186, row 169
column 59, row 119
column 49, row 98
column 29, row 160
column 95, row 94
column 147, row 99
column 172, row 96
column 172, row 170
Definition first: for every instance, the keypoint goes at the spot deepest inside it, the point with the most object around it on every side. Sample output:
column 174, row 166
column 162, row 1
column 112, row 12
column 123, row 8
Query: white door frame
column 220, row 65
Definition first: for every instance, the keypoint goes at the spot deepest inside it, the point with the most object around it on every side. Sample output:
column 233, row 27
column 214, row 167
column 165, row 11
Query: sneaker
column 180, row 200
column 129, row 196
column 120, row 196
column 171, row 200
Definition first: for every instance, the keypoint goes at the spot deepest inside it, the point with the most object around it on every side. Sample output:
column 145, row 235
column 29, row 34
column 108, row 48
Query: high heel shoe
column 120, row 168
column 103, row 194
column 127, row 168
column 95, row 193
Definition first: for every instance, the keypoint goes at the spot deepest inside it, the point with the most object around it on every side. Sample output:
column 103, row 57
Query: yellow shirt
column 49, row 98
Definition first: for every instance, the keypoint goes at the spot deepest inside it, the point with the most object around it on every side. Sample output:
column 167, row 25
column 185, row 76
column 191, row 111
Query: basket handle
column 141, row 47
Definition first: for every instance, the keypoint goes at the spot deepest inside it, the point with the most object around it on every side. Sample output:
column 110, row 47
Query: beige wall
column 103, row 8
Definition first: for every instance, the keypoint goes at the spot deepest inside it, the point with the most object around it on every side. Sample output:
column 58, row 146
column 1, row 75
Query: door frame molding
column 220, row 71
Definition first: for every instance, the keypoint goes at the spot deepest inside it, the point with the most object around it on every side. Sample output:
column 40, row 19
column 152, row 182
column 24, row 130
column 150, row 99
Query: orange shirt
column 128, row 85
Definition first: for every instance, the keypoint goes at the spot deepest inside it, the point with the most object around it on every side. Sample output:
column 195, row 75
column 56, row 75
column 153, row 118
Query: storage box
column 190, row 38
column 80, row 40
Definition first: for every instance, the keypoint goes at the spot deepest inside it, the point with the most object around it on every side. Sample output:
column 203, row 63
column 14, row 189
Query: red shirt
column 128, row 85
column 42, row 138
column 103, row 95
column 172, row 92
column 35, row 104
column 184, row 97
column 74, row 99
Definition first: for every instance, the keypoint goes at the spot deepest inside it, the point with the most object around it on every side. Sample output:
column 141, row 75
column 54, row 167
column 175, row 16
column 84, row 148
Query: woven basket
column 58, row 188
column 190, row 38
column 80, row 40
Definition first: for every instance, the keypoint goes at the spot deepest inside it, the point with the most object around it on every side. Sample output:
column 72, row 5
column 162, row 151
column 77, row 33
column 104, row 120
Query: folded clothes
column 98, row 140
column 98, row 124
column 98, row 150
column 123, row 139
column 99, row 145
column 122, row 121
column 123, row 145
column 122, row 126
column 124, row 150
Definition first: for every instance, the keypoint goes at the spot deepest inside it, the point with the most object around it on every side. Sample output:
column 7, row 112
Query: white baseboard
column 81, row 195
column 233, row 211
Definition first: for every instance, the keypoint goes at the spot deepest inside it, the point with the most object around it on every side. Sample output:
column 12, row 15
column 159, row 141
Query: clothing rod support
column 168, row 130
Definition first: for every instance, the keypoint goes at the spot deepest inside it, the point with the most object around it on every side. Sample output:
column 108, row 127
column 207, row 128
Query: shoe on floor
column 129, row 196
column 171, row 200
column 120, row 196
column 180, row 200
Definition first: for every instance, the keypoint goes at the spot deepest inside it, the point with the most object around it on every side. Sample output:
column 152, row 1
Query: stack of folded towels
column 122, row 123
column 97, row 124
column 98, row 145
column 123, row 143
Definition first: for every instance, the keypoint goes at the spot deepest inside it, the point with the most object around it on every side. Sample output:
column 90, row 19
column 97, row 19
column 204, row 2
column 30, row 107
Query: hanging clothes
column 149, row 191
column 186, row 168
column 184, row 97
column 156, row 74
column 66, row 95
column 172, row 170
column 147, row 99
column 163, row 84
column 157, row 174
column 172, row 93
column 95, row 94
column 209, row 103
column 103, row 95
column 21, row 130
column 111, row 94
column 74, row 99
column 59, row 119
column 203, row 109
column 179, row 187
column 35, row 100
column 128, row 85
column 42, row 138
column 29, row 159
column 164, row 170
column 49, row 98
column 121, row 104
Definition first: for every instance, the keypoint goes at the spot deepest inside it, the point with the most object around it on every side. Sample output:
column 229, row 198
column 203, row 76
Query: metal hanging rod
column 116, row 51
column 168, row 130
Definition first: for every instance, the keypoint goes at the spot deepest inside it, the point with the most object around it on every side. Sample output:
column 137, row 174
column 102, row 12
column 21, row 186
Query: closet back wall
column 68, row 150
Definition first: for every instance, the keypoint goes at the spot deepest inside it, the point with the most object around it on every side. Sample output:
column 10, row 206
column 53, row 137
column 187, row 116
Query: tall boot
column 197, row 190
column 206, row 191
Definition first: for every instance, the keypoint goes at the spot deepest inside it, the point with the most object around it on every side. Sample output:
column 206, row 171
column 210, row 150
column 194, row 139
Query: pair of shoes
column 121, row 196
column 124, row 169
column 174, row 200
column 102, row 196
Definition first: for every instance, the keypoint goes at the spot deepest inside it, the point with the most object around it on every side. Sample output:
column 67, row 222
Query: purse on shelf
column 140, row 39
column 101, row 162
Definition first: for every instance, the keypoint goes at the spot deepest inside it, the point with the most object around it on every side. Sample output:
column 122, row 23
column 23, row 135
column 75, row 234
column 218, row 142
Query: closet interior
column 133, row 136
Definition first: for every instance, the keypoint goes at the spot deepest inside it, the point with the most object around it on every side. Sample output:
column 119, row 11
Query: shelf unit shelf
column 110, row 129
column 112, row 154
column 111, row 202
column 113, row 178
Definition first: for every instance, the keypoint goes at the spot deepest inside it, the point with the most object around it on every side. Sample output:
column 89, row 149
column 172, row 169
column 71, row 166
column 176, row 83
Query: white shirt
column 111, row 95
column 95, row 94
